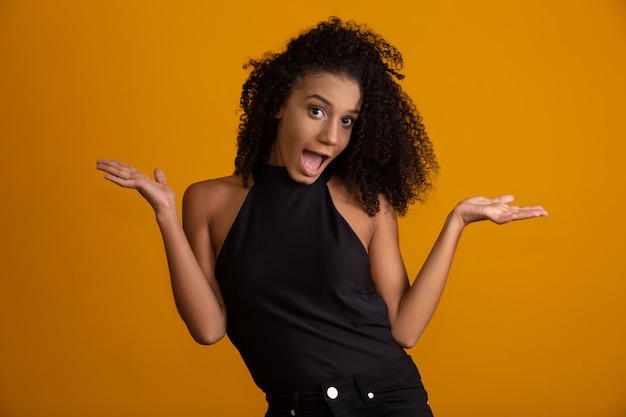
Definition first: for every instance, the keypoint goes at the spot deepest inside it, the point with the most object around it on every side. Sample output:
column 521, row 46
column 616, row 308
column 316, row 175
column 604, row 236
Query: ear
column 279, row 115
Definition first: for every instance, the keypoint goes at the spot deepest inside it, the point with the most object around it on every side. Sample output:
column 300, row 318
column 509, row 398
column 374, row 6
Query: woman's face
column 314, row 124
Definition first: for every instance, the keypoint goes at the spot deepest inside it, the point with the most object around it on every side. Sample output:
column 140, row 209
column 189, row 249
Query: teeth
column 314, row 160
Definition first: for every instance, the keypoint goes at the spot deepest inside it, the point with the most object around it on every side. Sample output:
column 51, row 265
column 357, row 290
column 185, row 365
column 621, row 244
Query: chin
column 302, row 178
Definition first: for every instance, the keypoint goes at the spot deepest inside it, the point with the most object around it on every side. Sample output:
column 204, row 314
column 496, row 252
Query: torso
column 226, row 195
column 294, row 270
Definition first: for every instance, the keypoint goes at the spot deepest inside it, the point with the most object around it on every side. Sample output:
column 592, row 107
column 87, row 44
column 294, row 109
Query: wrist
column 456, row 219
column 166, row 215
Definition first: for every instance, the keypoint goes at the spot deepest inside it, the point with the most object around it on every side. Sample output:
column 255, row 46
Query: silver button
column 370, row 395
column 332, row 393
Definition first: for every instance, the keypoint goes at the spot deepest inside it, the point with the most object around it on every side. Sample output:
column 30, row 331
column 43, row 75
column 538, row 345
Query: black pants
column 394, row 389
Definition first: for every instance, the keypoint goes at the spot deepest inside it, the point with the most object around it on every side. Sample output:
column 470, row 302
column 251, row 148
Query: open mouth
column 313, row 161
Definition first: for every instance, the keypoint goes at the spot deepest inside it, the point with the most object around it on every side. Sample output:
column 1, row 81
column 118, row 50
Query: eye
column 316, row 112
column 347, row 121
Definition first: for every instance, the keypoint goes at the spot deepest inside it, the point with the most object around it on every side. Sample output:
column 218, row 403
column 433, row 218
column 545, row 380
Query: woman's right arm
column 189, row 250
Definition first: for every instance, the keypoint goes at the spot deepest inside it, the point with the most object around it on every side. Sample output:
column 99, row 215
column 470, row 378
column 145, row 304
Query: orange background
column 519, row 97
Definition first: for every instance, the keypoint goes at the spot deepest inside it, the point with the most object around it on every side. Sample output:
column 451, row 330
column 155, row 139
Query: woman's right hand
column 156, row 192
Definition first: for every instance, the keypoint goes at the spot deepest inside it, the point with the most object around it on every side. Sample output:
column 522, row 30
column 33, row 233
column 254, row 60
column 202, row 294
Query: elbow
column 407, row 342
column 208, row 337
column 207, row 333
column 203, row 330
column 406, row 339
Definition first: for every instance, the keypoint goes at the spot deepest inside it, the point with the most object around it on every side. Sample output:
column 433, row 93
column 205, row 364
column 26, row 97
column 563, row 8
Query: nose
column 330, row 133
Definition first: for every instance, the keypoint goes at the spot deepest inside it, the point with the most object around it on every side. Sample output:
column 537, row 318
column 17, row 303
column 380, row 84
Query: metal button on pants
column 392, row 390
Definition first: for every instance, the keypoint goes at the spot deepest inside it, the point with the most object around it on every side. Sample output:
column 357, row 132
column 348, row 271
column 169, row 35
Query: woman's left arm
column 412, row 306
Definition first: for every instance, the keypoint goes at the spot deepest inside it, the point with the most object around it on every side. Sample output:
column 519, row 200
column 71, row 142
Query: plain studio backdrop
column 520, row 97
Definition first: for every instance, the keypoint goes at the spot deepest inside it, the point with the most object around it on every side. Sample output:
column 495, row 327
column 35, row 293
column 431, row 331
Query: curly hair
column 389, row 152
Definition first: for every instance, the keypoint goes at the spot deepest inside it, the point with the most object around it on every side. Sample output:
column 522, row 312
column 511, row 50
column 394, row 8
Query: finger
column 103, row 164
column 127, row 172
column 159, row 176
column 108, row 167
column 503, row 199
column 538, row 208
column 507, row 218
column 112, row 163
column 530, row 214
column 113, row 167
column 120, row 181
column 119, row 163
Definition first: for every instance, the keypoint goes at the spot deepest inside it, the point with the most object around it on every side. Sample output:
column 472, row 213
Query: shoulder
column 350, row 205
column 353, row 199
column 214, row 192
column 378, row 233
column 212, row 205
column 211, row 198
column 209, row 189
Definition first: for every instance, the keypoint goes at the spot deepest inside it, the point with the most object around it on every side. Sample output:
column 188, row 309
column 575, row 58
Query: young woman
column 296, row 255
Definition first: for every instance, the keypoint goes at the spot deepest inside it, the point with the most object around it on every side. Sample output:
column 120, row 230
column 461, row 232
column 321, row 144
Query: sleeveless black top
column 302, row 308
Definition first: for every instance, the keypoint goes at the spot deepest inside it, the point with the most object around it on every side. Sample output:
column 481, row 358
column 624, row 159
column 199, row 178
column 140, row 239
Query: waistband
column 366, row 381
column 381, row 375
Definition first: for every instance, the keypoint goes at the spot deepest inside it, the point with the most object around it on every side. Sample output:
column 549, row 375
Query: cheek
column 345, row 139
column 297, row 124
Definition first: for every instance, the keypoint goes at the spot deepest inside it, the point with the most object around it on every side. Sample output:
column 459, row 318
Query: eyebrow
column 328, row 103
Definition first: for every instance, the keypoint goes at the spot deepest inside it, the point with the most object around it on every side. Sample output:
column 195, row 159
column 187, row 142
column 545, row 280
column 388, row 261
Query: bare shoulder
column 350, row 207
column 223, row 185
column 348, row 204
column 215, row 203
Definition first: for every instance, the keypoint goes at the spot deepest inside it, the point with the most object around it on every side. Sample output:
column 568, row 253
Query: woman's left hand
column 498, row 210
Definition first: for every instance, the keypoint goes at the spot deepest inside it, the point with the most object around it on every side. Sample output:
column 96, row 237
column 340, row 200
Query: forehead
column 336, row 88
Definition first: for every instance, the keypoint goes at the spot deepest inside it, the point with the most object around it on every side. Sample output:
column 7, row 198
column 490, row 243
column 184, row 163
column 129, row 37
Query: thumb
column 503, row 199
column 159, row 176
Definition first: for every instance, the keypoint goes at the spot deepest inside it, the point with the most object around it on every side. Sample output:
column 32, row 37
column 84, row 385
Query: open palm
column 497, row 210
column 156, row 192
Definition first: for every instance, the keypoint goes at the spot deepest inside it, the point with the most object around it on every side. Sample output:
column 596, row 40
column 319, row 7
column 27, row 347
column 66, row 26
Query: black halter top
column 301, row 305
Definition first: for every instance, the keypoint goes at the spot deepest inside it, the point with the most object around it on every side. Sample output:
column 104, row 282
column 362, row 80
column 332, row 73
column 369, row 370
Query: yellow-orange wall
column 521, row 97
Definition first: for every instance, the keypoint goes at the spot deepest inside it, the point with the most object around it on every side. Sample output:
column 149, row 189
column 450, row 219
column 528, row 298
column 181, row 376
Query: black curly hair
column 389, row 152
